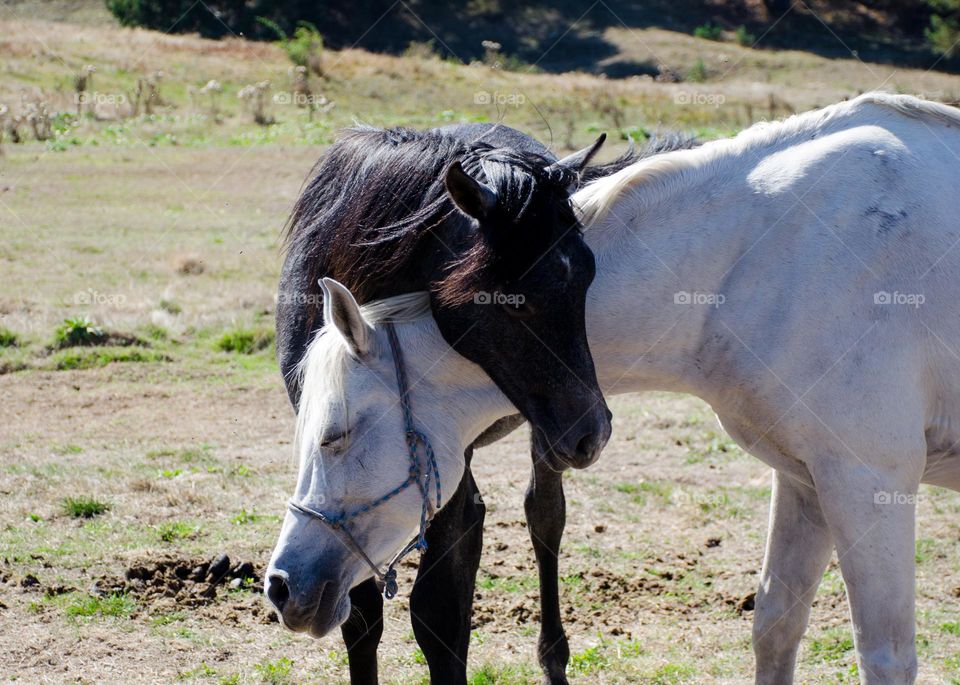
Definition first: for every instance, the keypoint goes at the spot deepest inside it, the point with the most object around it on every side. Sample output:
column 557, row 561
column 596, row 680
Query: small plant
column 743, row 37
column 256, row 98
column 589, row 660
column 274, row 672
column 37, row 115
column 155, row 332
column 84, row 507
column 491, row 53
column 421, row 50
column 175, row 530
column 242, row 341
column 211, row 93
column 82, row 84
column 170, row 307
column 698, row 72
column 304, row 49
column 950, row 627
column 489, row 674
column 671, row 674
column 201, row 671
column 167, row 619
column 94, row 359
column 117, row 605
column 708, row 31
column 8, row 338
column 832, row 645
column 944, row 31
column 78, row 331
column 245, row 517
column 4, row 116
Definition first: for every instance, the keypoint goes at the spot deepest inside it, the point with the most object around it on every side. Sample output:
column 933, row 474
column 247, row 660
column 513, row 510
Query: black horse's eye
column 518, row 308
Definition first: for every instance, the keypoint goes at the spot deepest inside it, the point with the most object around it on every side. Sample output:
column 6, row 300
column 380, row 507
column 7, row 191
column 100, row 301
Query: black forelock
column 377, row 193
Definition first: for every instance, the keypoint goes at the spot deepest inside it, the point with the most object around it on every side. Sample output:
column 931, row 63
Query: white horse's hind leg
column 798, row 550
column 870, row 513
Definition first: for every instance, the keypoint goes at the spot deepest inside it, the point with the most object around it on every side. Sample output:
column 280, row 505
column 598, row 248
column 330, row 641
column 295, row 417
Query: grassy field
column 126, row 466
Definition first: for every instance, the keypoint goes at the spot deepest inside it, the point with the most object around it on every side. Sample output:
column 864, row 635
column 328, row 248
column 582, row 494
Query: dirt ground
column 192, row 456
column 659, row 562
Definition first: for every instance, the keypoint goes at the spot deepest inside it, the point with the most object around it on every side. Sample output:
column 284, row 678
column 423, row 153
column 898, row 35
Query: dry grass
column 742, row 85
column 192, row 453
column 193, row 443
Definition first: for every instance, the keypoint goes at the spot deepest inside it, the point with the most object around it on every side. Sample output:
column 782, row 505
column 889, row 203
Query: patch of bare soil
column 162, row 583
column 615, row 599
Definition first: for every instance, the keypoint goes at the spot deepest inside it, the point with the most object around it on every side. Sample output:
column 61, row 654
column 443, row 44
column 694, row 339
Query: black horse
column 463, row 212
column 442, row 597
column 487, row 228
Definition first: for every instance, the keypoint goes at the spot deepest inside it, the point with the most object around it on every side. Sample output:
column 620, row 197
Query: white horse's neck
column 673, row 236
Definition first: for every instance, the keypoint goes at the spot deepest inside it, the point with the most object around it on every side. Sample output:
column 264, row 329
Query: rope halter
column 424, row 473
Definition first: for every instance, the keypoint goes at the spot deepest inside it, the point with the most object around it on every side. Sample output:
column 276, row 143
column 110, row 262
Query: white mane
column 671, row 169
column 323, row 369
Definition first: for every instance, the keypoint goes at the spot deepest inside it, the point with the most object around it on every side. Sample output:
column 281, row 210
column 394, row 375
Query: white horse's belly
column 764, row 448
column 943, row 453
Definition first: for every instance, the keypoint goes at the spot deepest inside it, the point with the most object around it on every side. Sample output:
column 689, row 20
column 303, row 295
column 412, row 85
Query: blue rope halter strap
column 424, row 472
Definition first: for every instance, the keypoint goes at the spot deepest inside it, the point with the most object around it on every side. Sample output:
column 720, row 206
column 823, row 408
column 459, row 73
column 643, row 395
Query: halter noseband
column 423, row 470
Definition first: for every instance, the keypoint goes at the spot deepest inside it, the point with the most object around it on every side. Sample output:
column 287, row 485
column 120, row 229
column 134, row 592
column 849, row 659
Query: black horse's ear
column 469, row 195
column 579, row 160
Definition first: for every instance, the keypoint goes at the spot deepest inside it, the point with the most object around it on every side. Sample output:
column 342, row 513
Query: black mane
column 656, row 144
column 377, row 193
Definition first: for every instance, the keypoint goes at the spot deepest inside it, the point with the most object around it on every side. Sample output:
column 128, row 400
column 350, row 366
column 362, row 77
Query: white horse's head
column 352, row 446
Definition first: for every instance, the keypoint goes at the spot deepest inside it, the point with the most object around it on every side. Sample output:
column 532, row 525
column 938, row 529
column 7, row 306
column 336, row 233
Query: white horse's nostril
column 278, row 592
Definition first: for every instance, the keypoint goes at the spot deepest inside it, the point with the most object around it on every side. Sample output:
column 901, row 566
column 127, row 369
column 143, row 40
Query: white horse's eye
column 334, row 439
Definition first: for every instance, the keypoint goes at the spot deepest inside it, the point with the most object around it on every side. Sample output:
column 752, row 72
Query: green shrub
column 944, row 30
column 245, row 341
column 176, row 530
column 112, row 605
column 8, row 338
column 76, row 360
column 155, row 332
column 708, row 31
column 305, row 48
column 743, row 37
column 170, row 307
column 83, row 507
column 78, row 331
column 698, row 72
column 274, row 672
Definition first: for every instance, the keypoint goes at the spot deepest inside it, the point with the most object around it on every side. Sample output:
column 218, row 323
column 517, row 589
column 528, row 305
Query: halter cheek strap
column 424, row 472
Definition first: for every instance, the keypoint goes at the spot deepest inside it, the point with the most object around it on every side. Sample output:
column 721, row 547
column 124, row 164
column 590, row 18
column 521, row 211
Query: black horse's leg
column 546, row 517
column 362, row 632
column 441, row 602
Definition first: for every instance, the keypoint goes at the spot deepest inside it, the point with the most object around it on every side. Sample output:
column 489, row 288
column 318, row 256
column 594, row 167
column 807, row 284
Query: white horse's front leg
column 870, row 511
column 798, row 550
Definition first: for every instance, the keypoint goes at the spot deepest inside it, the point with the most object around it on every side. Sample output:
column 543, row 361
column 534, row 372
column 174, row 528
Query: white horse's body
column 801, row 279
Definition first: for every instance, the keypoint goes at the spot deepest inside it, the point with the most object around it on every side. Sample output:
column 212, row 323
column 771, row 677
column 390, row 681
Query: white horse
column 799, row 277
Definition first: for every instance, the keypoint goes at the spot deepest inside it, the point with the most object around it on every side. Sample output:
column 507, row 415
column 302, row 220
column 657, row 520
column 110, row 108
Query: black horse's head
column 491, row 234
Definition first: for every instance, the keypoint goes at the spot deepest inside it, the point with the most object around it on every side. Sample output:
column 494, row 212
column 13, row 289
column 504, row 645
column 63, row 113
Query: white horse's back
column 829, row 243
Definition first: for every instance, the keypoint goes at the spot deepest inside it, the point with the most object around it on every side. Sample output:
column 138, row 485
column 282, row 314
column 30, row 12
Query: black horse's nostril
column 278, row 592
column 586, row 447
column 609, row 414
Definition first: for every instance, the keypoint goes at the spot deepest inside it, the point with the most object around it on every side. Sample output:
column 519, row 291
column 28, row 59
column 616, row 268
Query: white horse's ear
column 341, row 310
